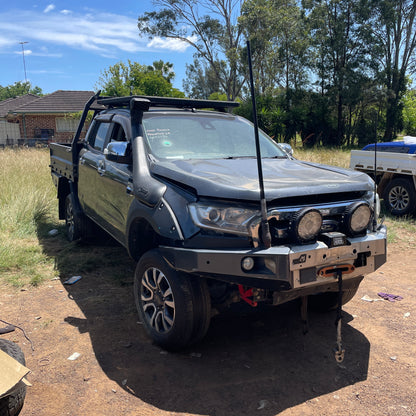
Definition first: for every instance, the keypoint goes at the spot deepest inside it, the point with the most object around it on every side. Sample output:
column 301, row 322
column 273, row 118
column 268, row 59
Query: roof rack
column 166, row 102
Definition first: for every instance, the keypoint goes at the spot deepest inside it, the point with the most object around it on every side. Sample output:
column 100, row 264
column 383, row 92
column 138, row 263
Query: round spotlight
column 357, row 217
column 247, row 263
column 306, row 224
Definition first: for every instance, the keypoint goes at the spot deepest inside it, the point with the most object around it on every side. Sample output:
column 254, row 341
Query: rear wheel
column 12, row 404
column 76, row 223
column 400, row 197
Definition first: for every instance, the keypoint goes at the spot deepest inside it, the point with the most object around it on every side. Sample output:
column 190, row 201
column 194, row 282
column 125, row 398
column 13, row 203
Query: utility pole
column 24, row 63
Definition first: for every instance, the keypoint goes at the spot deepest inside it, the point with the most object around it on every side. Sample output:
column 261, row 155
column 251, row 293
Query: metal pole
column 24, row 63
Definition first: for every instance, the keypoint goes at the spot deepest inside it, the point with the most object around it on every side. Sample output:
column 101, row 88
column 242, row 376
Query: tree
column 17, row 89
column 342, row 62
column 394, row 30
column 123, row 79
column 409, row 113
column 279, row 42
column 201, row 80
column 209, row 26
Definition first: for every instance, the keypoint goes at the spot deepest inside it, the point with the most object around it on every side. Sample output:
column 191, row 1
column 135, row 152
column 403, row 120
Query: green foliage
column 209, row 27
column 201, row 80
column 17, row 89
column 131, row 78
column 409, row 113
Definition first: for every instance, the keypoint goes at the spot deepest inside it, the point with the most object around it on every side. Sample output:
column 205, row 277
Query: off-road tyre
column 12, row 404
column 201, row 302
column 325, row 302
column 165, row 302
column 400, row 197
column 78, row 226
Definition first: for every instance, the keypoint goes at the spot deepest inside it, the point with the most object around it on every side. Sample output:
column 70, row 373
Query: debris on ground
column 72, row 280
column 74, row 356
column 368, row 299
column 389, row 297
column 262, row 404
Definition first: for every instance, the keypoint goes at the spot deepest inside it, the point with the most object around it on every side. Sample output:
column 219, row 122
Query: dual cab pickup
column 394, row 174
column 177, row 185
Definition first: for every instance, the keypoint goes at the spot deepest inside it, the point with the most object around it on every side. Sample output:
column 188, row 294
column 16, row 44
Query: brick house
column 10, row 129
column 49, row 117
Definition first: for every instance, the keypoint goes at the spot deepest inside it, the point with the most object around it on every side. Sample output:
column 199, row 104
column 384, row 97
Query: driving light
column 247, row 263
column 357, row 218
column 306, row 224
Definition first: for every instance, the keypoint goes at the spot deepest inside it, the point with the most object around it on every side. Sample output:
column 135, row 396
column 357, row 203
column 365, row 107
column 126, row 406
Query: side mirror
column 287, row 148
column 118, row 152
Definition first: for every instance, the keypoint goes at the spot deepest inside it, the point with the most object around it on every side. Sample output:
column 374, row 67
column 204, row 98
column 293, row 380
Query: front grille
column 317, row 199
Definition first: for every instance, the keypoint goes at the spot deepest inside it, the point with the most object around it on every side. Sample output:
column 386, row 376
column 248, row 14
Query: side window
column 97, row 137
column 118, row 134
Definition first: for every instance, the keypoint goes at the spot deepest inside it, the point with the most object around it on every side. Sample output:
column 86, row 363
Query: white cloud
column 171, row 44
column 27, row 52
column 49, row 8
column 104, row 34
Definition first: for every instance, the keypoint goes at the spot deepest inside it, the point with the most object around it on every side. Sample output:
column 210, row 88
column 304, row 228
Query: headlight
column 357, row 218
column 306, row 224
column 232, row 220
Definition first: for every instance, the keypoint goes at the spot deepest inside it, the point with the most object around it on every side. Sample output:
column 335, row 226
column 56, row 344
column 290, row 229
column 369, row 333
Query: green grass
column 27, row 200
column 326, row 156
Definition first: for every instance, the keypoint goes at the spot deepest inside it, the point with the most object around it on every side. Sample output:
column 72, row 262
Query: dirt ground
column 252, row 362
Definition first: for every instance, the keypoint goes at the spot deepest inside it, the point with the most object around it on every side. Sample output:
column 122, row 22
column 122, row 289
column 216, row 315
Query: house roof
column 10, row 104
column 58, row 102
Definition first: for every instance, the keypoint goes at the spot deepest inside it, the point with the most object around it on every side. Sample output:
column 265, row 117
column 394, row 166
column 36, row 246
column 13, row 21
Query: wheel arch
column 141, row 237
column 388, row 177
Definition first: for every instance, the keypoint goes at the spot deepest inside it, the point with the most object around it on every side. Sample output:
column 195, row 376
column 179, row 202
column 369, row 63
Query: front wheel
column 173, row 308
column 324, row 302
column 400, row 197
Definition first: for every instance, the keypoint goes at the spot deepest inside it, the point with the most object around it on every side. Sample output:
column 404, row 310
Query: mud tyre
column 12, row 404
column 201, row 302
column 325, row 302
column 165, row 302
column 77, row 225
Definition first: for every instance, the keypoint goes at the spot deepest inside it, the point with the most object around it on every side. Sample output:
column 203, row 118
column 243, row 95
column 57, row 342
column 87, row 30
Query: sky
column 70, row 43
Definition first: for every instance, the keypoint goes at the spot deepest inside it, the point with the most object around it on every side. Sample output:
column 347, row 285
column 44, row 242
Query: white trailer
column 394, row 174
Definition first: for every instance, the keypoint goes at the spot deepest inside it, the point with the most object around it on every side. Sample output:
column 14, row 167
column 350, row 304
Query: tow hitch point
column 333, row 271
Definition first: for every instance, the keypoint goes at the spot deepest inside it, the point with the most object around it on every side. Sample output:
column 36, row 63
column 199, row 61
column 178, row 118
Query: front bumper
column 284, row 267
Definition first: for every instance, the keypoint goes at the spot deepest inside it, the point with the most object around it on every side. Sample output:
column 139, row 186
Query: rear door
column 91, row 167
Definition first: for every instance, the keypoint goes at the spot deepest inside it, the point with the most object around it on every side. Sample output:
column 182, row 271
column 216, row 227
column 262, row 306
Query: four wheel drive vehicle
column 177, row 185
column 395, row 173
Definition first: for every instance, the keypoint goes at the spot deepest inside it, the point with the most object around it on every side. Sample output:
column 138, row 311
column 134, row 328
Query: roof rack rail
column 167, row 102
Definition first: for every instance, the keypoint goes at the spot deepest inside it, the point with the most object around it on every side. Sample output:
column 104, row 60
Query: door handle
column 101, row 168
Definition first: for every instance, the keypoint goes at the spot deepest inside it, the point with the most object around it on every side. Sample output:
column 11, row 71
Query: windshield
column 205, row 136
